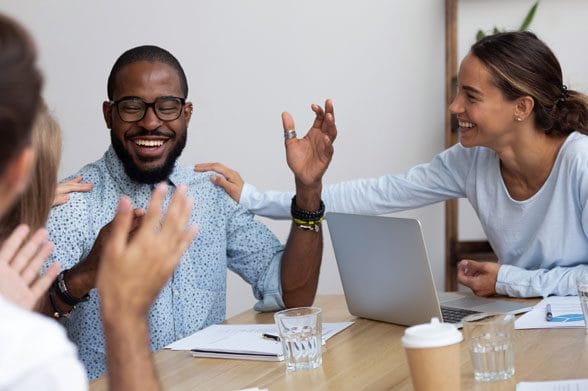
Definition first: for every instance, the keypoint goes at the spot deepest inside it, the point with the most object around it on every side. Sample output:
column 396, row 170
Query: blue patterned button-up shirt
column 195, row 297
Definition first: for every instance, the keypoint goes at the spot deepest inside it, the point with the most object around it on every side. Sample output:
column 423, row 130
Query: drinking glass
column 582, row 284
column 301, row 335
column 489, row 337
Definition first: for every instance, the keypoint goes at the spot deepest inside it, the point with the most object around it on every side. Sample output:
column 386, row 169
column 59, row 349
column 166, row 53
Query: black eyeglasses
column 133, row 109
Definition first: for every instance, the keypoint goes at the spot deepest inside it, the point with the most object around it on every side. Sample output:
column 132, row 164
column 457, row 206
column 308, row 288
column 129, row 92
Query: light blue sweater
column 541, row 242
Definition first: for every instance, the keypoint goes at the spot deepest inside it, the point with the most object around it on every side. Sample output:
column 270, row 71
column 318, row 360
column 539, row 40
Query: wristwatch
column 60, row 288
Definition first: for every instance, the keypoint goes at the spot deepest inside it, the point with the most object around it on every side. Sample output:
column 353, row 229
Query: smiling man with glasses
column 148, row 114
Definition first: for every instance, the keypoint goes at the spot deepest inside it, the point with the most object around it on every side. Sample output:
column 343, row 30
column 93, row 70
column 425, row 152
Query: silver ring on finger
column 289, row 134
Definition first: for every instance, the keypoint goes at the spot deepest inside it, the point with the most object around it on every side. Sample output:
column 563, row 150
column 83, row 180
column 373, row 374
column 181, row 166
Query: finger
column 184, row 241
column 465, row 280
column 329, row 127
column 462, row 265
column 40, row 287
column 69, row 187
column 225, row 171
column 469, row 268
column 216, row 167
column 177, row 215
column 329, row 107
column 80, row 187
column 231, row 188
column 13, row 243
column 319, row 117
column 31, row 270
column 138, row 212
column 287, row 122
column 60, row 199
column 28, row 250
column 120, row 226
column 153, row 214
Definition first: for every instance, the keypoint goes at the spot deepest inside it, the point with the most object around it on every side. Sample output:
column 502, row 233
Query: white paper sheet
column 558, row 385
column 244, row 337
column 566, row 311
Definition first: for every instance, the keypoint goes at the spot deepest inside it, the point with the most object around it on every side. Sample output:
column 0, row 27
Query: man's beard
column 152, row 176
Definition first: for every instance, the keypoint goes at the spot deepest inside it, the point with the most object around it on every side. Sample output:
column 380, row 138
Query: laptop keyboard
column 455, row 315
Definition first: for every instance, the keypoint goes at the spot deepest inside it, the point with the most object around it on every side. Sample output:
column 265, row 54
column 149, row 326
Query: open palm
column 20, row 262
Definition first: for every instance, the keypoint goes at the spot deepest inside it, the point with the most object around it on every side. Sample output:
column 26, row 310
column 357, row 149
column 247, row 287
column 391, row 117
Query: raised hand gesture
column 309, row 157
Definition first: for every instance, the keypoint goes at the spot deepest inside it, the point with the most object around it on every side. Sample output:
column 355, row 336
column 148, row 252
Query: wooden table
column 368, row 355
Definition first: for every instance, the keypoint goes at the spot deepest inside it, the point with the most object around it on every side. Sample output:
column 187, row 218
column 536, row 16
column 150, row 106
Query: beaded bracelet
column 307, row 220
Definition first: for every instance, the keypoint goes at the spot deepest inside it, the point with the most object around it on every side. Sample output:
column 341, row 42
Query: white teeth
column 464, row 124
column 149, row 143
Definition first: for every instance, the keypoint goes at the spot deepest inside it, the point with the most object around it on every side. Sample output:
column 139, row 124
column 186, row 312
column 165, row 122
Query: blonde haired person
column 35, row 203
column 22, row 228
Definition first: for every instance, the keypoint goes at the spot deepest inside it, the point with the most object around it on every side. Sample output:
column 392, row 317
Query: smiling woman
column 522, row 163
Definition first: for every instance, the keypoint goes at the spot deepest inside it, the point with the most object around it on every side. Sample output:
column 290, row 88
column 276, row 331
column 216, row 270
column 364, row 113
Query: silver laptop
column 386, row 274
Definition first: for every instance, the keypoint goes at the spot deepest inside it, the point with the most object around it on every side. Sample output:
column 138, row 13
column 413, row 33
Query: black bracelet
column 307, row 220
column 61, row 290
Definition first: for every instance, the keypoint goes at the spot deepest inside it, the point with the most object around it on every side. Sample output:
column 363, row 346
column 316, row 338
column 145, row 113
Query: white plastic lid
column 431, row 335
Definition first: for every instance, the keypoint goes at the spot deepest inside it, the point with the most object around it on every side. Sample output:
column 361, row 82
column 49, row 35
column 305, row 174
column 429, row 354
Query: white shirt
column 35, row 353
column 541, row 242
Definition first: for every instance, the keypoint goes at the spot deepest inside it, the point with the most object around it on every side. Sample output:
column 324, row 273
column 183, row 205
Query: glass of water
column 301, row 335
column 582, row 284
column 489, row 337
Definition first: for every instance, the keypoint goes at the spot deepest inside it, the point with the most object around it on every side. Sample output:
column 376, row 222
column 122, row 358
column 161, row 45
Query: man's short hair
column 20, row 87
column 146, row 53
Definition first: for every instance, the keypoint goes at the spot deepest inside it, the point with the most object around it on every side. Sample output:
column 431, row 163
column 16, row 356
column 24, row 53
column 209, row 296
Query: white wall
column 560, row 23
column 381, row 61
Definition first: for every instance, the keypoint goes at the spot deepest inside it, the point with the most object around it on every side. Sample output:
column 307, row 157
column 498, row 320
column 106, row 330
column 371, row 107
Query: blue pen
column 548, row 314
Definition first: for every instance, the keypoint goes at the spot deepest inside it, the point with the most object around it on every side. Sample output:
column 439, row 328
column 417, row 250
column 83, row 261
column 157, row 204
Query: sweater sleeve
column 518, row 282
column 443, row 178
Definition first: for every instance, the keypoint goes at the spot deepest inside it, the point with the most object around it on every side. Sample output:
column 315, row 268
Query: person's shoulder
column 200, row 186
column 574, row 152
column 576, row 145
column 196, row 181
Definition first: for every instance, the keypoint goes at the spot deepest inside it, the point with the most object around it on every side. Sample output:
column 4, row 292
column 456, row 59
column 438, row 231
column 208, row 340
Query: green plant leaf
column 529, row 18
column 479, row 35
column 495, row 30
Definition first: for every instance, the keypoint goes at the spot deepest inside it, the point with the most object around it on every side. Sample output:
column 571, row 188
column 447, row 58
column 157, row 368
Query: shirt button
column 176, row 292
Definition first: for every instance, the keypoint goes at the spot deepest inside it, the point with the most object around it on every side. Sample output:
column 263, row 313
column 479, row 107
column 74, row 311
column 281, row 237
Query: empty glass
column 301, row 335
column 489, row 337
column 582, row 284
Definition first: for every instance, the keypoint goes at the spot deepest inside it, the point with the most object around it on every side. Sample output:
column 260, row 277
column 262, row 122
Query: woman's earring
column 518, row 119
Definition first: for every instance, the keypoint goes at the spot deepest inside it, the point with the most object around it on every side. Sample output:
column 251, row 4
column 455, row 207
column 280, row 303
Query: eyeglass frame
column 115, row 103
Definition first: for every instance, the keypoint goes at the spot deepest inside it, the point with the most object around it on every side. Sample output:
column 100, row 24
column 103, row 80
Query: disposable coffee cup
column 432, row 350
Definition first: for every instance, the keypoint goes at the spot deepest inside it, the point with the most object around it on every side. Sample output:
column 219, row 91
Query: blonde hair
column 34, row 205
